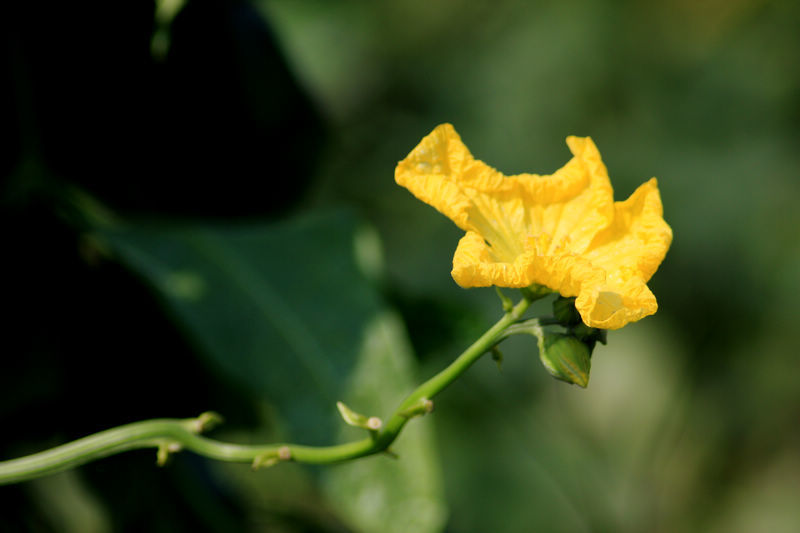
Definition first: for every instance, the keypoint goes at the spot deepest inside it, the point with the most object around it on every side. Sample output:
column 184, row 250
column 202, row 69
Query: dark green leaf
column 280, row 309
column 285, row 311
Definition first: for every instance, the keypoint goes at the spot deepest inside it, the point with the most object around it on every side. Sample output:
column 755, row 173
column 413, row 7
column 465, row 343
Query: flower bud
column 565, row 358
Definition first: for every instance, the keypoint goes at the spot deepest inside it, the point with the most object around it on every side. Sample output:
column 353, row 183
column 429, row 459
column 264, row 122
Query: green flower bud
column 565, row 358
column 565, row 312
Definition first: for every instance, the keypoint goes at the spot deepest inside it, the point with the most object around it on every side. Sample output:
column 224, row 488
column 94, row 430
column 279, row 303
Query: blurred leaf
column 384, row 493
column 164, row 14
column 375, row 494
column 280, row 309
column 285, row 311
column 65, row 502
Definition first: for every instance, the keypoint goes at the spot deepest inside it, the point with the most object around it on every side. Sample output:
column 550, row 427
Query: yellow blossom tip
column 563, row 231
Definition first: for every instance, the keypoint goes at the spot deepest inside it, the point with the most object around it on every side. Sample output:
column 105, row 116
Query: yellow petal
column 474, row 266
column 612, row 306
column 639, row 237
column 574, row 203
column 563, row 231
column 629, row 251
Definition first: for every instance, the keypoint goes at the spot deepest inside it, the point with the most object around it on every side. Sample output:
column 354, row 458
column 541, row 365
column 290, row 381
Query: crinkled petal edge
column 601, row 303
column 473, row 266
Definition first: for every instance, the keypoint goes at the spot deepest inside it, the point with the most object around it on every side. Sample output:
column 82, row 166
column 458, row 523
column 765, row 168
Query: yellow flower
column 563, row 231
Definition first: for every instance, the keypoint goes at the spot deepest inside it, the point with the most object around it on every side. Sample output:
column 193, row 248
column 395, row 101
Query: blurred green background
column 255, row 257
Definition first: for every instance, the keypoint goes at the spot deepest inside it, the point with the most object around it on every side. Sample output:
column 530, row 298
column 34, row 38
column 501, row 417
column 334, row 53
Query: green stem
column 172, row 435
